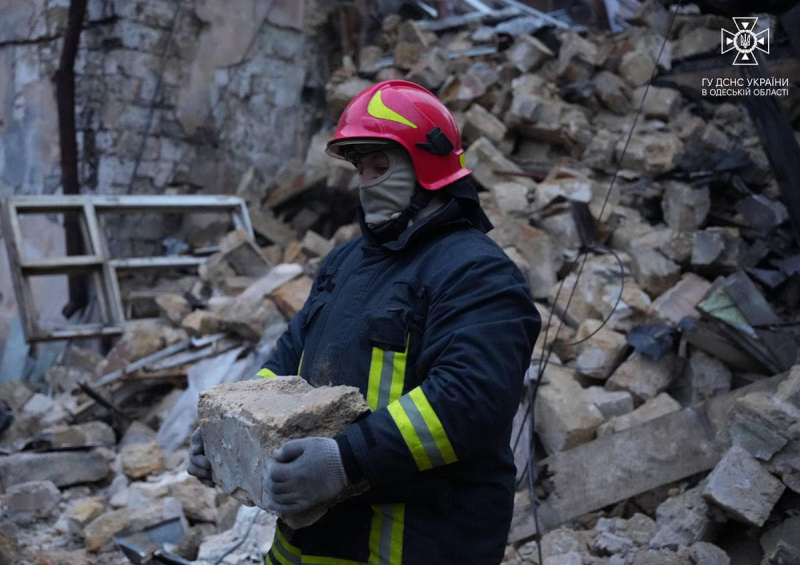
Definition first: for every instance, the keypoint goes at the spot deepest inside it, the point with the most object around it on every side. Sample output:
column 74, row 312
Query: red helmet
column 406, row 113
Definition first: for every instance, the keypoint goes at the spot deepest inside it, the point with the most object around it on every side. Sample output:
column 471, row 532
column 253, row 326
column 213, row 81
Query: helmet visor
column 354, row 149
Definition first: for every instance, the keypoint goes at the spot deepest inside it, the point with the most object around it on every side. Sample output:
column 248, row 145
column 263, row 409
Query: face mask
column 385, row 197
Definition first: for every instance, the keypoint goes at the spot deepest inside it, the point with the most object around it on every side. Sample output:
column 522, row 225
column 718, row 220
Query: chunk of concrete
column 102, row 529
column 173, row 307
column 654, row 272
column 759, row 425
column 685, row 207
column 682, row 520
column 743, row 488
column 141, row 459
column 90, row 434
column 680, row 301
column 610, row 403
column 34, row 499
column 653, row 408
column 291, row 296
column 565, row 417
column 63, row 468
column 704, row 377
column 528, row 53
column 480, row 122
column 704, row 553
column 660, row 103
column 613, row 92
column 643, row 377
column 599, row 355
column 243, row 423
column 636, row 67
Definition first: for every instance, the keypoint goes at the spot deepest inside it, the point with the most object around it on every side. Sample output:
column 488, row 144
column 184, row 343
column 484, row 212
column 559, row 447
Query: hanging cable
column 533, row 387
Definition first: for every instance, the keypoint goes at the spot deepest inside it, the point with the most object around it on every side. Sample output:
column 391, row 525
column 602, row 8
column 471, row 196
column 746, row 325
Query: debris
column 653, row 408
column 63, row 468
column 254, row 417
column 743, row 488
column 643, row 377
column 33, row 499
column 141, row 459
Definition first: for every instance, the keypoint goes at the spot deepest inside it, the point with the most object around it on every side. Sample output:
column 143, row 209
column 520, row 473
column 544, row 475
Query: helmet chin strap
column 393, row 228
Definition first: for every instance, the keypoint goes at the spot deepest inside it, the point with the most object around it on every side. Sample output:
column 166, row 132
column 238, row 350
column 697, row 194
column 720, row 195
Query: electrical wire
column 533, row 388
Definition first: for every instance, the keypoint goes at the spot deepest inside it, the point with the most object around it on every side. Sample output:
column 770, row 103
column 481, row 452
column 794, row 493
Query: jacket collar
column 464, row 208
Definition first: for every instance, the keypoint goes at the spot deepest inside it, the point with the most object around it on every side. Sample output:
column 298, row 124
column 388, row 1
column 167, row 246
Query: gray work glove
column 199, row 465
column 304, row 473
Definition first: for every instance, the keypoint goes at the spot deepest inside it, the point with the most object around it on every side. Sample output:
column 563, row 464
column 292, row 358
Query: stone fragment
column 10, row 551
column 483, row 158
column 102, row 529
column 654, row 273
column 761, row 213
column 173, row 307
column 760, row 425
column 90, row 434
column 636, row 67
column 528, row 53
column 63, row 468
column 685, row 207
column 682, row 520
column 613, row 92
column 137, row 432
column 610, row 403
column 643, row 377
column 314, row 245
column 338, row 96
column 599, row 153
column 720, row 247
column 680, row 301
column 611, row 544
column 784, row 554
column 600, row 354
column 252, row 311
column 695, row 42
column 291, row 296
column 565, row 416
column 743, row 488
column 653, row 152
column 577, row 58
column 563, row 540
column 660, row 103
column 510, row 196
column 198, row 501
column 80, row 512
column 16, row 394
column 141, row 459
column 570, row 558
column 577, row 188
column 653, row 408
column 482, row 123
column 430, row 70
column 30, row 500
column 38, row 405
column 202, row 322
column 704, row 553
column 251, row 534
column 704, row 377
column 787, row 530
column 253, row 418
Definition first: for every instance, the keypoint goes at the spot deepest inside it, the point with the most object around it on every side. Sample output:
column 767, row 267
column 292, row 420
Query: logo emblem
column 745, row 41
column 377, row 109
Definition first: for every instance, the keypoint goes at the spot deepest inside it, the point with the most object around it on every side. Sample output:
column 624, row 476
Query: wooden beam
column 616, row 467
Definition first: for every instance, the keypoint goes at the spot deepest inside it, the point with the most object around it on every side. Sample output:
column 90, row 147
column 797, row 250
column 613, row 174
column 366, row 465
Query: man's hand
column 304, row 473
column 199, row 465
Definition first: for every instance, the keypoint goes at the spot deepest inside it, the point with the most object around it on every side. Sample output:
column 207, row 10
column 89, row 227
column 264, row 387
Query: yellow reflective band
column 374, row 383
column 377, row 109
column 281, row 559
column 462, row 160
column 399, row 373
column 267, row 560
column 410, row 436
column 434, row 425
column 386, row 534
column 289, row 547
column 300, row 365
column 266, row 373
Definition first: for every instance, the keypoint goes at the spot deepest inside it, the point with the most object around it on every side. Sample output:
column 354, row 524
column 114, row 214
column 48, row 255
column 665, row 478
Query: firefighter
column 435, row 325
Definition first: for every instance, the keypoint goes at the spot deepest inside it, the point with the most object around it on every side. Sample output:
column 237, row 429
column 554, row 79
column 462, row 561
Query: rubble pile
column 681, row 319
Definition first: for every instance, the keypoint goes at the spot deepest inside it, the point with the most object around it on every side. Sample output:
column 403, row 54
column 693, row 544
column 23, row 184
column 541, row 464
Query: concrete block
column 682, row 520
column 482, row 123
column 704, row 553
column 63, row 468
column 679, row 301
column 173, row 307
column 565, row 417
column 654, row 272
column 141, row 459
column 653, row 408
column 243, row 423
column 102, row 529
column 528, row 53
column 92, row 434
column 643, row 377
column 610, row 403
column 759, row 425
column 34, row 499
column 599, row 355
column 291, row 296
column 743, row 488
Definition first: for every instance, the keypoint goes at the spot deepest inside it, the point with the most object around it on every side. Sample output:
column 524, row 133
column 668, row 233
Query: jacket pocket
column 388, row 328
column 388, row 335
column 313, row 311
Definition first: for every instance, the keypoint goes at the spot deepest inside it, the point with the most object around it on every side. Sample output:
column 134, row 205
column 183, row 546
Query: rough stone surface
column 482, row 123
column 63, row 468
column 101, row 530
column 660, row 103
column 636, row 67
column 653, row 153
column 654, row 272
column 613, row 91
column 703, row 553
column 565, row 416
column 680, row 301
column 34, row 499
column 291, row 297
column 599, row 355
column 685, row 207
column 202, row 322
column 759, row 425
column 642, row 376
column 704, row 378
column 743, row 488
column 610, row 403
column 682, row 520
column 141, row 459
column 198, row 501
column 528, row 53
column 253, row 418
column 173, row 307
column 80, row 512
column 653, row 408
column 90, row 434
column 510, row 196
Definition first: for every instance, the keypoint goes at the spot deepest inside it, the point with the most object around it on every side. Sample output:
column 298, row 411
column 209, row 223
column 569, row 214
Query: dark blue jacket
column 436, row 329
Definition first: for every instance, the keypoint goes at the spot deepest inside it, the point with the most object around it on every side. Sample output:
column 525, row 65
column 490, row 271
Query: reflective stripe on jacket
column 436, row 329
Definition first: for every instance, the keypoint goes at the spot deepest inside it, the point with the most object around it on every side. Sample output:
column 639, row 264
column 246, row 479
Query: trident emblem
column 745, row 41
